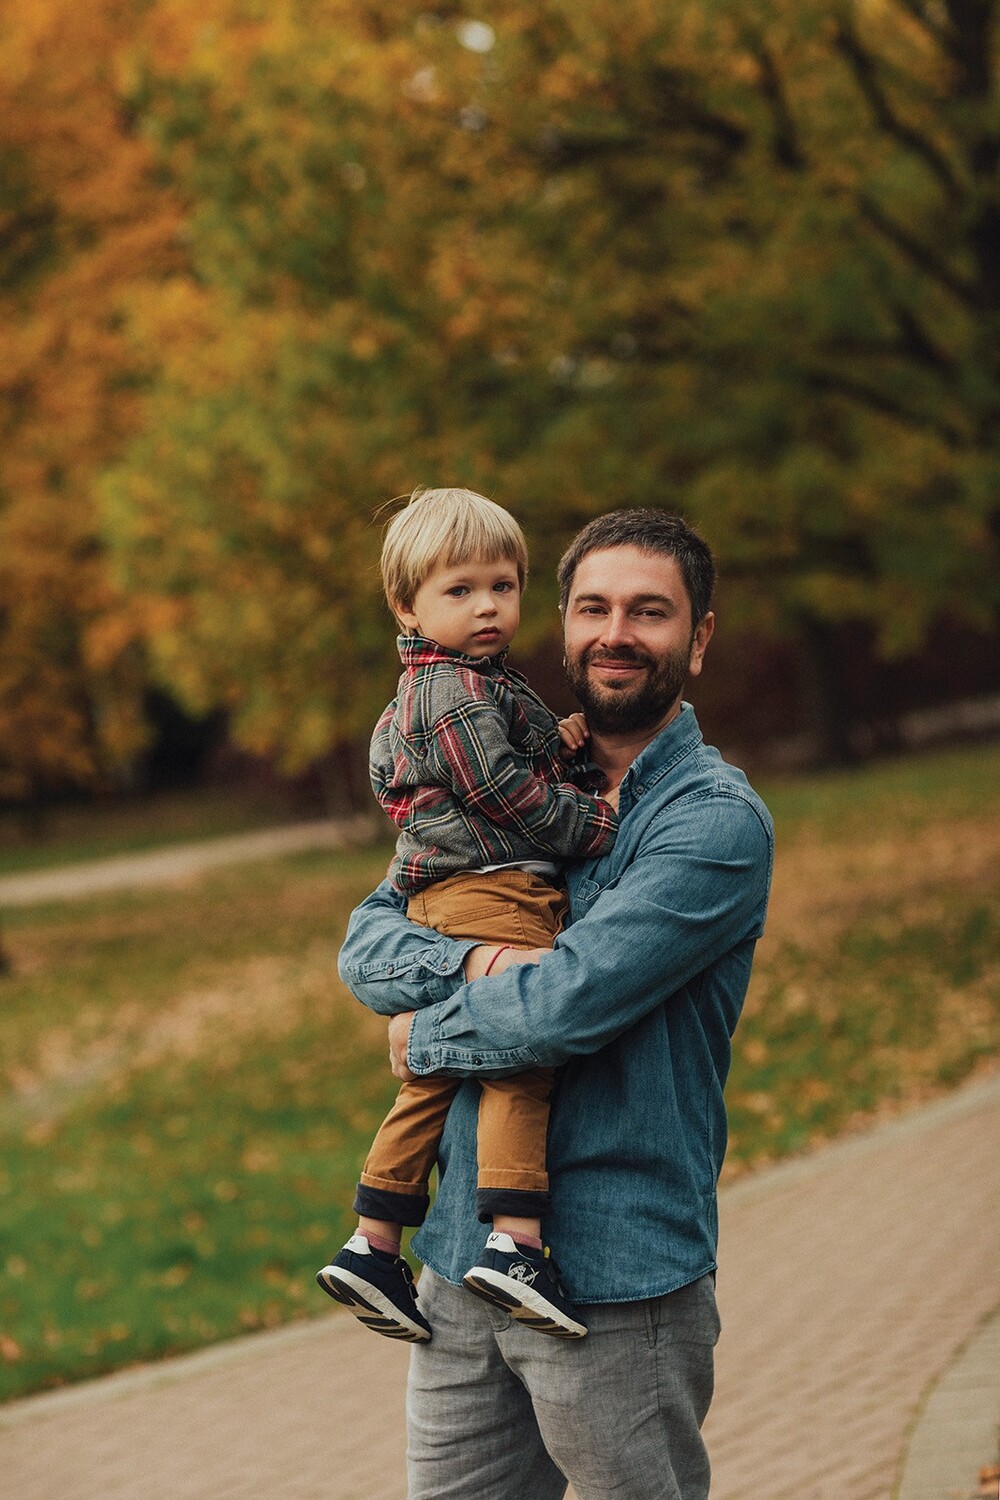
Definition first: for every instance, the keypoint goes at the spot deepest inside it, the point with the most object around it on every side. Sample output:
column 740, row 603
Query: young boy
column 467, row 762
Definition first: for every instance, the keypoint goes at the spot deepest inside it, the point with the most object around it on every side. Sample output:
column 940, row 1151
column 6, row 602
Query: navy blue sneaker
column 525, row 1283
column 378, row 1288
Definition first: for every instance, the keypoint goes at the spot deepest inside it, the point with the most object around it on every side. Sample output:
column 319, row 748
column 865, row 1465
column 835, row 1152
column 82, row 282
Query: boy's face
column 472, row 607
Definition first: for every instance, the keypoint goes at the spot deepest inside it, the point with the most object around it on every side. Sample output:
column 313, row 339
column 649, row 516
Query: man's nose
column 617, row 629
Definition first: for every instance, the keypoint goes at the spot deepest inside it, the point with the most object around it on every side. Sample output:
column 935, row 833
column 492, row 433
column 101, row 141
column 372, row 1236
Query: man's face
column 630, row 641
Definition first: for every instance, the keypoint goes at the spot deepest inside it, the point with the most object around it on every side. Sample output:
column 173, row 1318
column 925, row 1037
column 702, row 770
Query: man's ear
column 699, row 644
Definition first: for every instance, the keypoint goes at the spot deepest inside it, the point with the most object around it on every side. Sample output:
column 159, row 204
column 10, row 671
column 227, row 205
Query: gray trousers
column 498, row 1412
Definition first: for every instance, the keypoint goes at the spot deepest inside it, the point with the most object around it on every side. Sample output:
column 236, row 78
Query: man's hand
column 399, row 1040
column 477, row 961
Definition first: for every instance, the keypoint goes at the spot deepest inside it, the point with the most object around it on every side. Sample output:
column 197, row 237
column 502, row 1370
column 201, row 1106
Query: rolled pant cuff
column 395, row 1208
column 513, row 1201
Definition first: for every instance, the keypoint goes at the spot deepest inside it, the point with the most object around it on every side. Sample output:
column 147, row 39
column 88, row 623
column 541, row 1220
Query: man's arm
column 391, row 964
column 696, row 889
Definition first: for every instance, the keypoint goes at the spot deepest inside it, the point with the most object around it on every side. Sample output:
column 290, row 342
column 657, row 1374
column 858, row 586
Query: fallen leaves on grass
column 989, row 1482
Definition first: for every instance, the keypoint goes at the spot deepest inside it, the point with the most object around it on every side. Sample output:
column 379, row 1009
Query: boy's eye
column 458, row 590
column 504, row 586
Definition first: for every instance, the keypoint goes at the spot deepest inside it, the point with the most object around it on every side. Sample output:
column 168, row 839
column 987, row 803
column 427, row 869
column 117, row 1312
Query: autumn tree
column 301, row 377
column 582, row 256
column 82, row 224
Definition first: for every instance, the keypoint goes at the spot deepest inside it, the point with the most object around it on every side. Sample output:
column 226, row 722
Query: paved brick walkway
column 850, row 1282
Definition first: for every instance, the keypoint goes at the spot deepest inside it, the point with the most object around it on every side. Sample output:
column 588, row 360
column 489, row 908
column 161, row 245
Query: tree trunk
column 824, row 700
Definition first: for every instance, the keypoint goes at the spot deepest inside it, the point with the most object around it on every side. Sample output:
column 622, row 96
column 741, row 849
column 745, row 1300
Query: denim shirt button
column 390, row 968
column 477, row 1062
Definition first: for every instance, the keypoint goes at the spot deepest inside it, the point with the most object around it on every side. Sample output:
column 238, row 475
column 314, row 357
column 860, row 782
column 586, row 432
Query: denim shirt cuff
column 430, row 1050
column 438, row 969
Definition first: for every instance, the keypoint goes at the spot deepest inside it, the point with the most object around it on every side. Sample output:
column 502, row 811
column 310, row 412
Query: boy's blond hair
column 444, row 528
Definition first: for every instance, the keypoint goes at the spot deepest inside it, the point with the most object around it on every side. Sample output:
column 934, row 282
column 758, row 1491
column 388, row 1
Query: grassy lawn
column 187, row 1091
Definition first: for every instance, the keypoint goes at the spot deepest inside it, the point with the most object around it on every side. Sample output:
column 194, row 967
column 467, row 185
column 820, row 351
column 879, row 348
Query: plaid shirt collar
column 418, row 651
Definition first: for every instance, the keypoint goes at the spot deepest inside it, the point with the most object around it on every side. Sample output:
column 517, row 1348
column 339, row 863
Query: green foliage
column 287, row 265
column 582, row 259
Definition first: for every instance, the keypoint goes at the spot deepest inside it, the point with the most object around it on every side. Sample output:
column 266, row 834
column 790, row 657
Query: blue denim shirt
column 636, row 1004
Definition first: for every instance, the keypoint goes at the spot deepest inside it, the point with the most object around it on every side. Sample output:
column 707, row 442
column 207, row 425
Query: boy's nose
column 486, row 605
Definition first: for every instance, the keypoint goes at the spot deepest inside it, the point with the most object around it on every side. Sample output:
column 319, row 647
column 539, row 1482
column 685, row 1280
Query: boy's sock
column 388, row 1247
column 526, row 1241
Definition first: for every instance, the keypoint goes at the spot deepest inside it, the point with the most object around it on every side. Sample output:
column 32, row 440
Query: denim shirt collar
column 670, row 746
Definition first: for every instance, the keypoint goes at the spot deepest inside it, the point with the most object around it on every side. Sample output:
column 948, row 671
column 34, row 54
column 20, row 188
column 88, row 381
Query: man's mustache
column 625, row 657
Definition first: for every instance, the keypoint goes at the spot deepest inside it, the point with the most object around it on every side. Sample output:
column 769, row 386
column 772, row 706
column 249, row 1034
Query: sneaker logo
column 521, row 1272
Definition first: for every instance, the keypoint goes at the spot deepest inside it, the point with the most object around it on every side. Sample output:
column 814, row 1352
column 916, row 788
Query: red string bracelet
column 505, row 949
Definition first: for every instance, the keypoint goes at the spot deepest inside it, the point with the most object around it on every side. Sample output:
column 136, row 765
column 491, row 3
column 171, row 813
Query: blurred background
column 267, row 264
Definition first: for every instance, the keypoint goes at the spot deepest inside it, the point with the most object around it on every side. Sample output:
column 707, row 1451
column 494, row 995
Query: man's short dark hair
column 657, row 531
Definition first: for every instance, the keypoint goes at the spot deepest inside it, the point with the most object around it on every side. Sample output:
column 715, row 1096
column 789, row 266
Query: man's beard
column 638, row 705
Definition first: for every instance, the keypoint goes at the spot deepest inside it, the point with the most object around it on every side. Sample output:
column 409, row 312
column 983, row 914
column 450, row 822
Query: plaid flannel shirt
column 465, row 761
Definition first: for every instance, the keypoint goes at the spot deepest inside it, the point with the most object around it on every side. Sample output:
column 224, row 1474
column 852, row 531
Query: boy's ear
column 404, row 614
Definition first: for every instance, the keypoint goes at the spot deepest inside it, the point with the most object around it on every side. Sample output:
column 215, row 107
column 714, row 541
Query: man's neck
column 614, row 753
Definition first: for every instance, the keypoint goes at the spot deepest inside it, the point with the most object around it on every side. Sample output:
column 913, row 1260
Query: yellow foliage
column 91, row 227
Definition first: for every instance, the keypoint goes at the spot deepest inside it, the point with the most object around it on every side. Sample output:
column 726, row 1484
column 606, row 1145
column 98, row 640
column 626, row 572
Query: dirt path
column 181, row 861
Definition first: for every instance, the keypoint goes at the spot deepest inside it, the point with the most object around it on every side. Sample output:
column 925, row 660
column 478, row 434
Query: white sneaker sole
column 523, row 1303
column 371, row 1306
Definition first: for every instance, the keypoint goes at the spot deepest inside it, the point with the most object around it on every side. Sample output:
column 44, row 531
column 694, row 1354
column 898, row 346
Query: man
column 636, row 1004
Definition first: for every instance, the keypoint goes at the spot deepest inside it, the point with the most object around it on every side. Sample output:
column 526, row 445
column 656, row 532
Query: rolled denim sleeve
column 391, row 964
column 695, row 889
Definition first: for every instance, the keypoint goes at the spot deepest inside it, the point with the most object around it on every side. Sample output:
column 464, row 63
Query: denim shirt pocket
column 583, row 894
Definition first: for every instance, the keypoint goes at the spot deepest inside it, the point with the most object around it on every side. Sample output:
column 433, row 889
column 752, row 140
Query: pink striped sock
column 527, row 1242
column 389, row 1247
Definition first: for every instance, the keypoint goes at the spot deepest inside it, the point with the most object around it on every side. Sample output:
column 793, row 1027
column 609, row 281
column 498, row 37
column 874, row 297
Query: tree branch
column 677, row 107
column 913, row 343
column 832, row 383
column 863, row 65
column 786, row 143
column 971, row 27
column 919, row 254
column 919, row 12
column 918, row 343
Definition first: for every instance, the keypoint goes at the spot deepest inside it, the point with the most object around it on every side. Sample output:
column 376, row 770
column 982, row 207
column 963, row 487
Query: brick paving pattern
column 849, row 1282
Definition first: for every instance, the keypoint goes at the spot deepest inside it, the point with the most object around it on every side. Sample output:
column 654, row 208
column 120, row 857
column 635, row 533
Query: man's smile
column 615, row 667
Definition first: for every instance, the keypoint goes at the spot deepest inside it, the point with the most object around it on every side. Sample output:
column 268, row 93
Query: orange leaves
column 262, row 269
column 69, row 690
